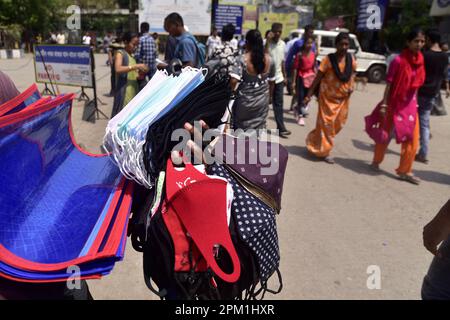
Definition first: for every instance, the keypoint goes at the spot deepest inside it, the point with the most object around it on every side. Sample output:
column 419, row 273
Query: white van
column 371, row 65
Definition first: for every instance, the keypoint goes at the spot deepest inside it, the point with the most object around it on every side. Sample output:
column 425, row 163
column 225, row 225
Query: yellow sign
column 288, row 20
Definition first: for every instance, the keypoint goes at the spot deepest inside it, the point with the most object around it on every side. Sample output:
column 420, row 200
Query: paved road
column 336, row 221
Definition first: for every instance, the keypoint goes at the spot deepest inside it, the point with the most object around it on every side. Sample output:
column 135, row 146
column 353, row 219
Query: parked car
column 371, row 65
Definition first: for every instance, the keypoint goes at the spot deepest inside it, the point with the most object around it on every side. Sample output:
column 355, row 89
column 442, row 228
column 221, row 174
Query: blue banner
column 371, row 14
column 225, row 14
column 65, row 65
column 80, row 55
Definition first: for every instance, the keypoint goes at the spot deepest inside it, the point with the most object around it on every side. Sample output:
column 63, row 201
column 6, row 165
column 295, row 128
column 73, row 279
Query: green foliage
column 413, row 14
column 30, row 14
column 42, row 16
column 331, row 8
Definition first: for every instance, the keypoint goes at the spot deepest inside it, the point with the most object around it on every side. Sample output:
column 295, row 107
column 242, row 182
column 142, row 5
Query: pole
column 96, row 111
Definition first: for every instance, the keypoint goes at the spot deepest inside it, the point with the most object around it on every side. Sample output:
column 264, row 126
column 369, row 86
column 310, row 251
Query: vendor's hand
column 195, row 150
column 437, row 230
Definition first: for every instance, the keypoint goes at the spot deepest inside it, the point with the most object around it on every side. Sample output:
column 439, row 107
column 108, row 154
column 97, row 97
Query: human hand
column 143, row 67
column 194, row 149
column 383, row 109
column 437, row 230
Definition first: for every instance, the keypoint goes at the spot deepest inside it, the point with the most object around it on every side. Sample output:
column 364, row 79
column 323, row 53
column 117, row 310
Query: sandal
column 409, row 178
column 329, row 160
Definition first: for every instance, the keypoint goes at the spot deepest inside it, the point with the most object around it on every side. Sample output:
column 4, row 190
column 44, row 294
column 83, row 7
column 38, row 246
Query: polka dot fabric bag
column 255, row 224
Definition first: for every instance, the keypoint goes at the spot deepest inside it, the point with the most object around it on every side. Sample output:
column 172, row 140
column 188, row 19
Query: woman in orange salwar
column 336, row 79
column 399, row 107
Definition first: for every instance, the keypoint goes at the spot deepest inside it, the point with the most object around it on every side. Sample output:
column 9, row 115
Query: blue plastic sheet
column 58, row 204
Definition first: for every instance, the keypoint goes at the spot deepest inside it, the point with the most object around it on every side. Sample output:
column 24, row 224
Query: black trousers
column 277, row 103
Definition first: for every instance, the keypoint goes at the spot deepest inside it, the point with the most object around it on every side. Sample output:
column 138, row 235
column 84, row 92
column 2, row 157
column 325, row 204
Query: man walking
column 187, row 48
column 289, row 44
column 436, row 66
column 276, row 48
column 146, row 53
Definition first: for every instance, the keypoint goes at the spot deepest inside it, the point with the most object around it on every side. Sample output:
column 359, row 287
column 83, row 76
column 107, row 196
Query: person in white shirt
column 61, row 38
column 234, row 43
column 213, row 42
column 276, row 48
column 87, row 39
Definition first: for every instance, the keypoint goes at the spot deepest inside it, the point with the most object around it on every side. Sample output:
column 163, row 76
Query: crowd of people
column 262, row 69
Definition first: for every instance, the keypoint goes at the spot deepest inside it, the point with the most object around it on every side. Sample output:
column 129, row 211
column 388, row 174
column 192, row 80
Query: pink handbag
column 308, row 80
column 375, row 126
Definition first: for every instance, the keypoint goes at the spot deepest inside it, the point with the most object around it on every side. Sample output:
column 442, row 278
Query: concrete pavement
column 336, row 220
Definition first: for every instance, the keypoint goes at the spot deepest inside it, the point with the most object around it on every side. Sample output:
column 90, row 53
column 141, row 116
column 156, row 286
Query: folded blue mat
column 59, row 205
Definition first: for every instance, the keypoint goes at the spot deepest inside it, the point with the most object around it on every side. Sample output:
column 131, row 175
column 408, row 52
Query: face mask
column 125, row 133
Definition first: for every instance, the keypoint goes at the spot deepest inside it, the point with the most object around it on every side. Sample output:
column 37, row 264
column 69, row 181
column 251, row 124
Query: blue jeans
column 425, row 106
column 436, row 284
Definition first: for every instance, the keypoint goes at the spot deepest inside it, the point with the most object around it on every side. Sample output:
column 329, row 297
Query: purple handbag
column 258, row 165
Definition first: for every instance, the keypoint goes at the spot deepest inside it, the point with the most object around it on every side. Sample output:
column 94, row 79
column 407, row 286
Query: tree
column 33, row 15
column 331, row 8
column 411, row 16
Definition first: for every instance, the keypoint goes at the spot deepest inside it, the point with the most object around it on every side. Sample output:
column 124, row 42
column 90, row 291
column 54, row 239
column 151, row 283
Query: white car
column 371, row 65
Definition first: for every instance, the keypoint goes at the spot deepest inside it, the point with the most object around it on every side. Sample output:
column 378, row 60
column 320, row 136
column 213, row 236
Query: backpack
column 201, row 50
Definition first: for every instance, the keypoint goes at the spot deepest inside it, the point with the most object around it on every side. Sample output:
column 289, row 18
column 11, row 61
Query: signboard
column 250, row 16
column 289, row 21
column 229, row 14
column 371, row 14
column 440, row 8
column 196, row 14
column 66, row 65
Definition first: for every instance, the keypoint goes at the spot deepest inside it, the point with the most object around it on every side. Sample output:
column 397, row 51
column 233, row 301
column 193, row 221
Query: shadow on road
column 302, row 152
column 433, row 176
column 361, row 167
column 286, row 119
column 369, row 147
